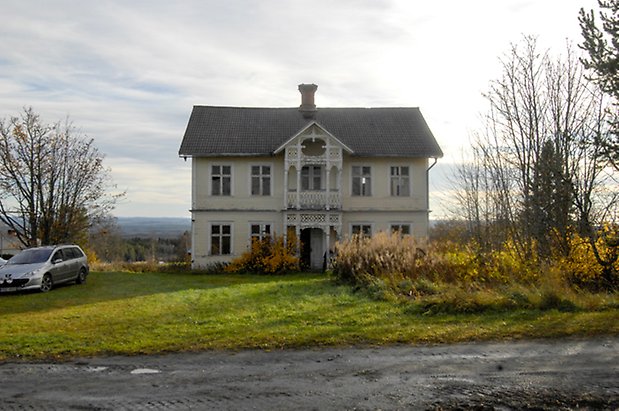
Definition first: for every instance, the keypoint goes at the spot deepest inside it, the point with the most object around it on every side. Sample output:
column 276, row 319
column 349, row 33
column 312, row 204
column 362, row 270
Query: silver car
column 41, row 268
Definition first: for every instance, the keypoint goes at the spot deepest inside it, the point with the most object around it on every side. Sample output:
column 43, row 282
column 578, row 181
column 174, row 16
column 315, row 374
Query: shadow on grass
column 111, row 286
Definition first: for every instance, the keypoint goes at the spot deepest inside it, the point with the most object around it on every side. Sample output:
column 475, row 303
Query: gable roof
column 307, row 127
column 368, row 132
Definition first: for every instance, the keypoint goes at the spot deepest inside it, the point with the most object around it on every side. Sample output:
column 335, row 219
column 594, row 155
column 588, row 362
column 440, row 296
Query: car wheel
column 46, row 283
column 81, row 277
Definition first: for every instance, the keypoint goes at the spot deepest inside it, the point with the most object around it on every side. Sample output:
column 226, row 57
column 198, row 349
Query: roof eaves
column 225, row 155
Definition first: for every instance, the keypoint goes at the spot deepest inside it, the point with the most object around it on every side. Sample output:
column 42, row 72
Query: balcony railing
column 314, row 200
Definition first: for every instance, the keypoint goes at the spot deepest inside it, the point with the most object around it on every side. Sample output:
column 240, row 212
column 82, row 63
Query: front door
column 312, row 249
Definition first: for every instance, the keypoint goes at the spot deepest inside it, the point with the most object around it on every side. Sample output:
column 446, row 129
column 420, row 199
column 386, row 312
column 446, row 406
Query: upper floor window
column 361, row 181
column 311, row 178
column 404, row 229
column 261, row 180
column 400, row 181
column 221, row 239
column 221, row 180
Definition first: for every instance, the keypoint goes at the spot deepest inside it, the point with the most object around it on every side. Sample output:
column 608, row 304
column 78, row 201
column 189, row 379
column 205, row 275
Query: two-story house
column 322, row 173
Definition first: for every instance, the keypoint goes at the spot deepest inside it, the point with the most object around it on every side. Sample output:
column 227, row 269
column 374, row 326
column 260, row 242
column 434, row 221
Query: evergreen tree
column 602, row 45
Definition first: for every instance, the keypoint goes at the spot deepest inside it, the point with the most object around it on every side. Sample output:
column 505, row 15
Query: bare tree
column 52, row 181
column 536, row 163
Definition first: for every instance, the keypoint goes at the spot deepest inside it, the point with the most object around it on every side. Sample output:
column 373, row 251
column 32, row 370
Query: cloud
column 128, row 73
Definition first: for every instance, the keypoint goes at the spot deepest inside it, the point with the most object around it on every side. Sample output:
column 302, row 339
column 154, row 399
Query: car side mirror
column 56, row 261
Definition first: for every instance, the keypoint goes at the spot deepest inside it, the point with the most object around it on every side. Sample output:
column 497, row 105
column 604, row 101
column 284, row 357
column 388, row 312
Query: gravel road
column 553, row 374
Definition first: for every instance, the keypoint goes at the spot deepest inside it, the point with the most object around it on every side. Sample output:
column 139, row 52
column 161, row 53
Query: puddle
column 145, row 371
column 96, row 369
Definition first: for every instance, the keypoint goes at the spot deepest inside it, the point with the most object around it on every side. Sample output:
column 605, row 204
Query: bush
column 267, row 256
column 388, row 257
column 396, row 260
column 458, row 278
column 580, row 267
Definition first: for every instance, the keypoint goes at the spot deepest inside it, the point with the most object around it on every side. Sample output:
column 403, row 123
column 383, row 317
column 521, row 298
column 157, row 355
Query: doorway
column 312, row 249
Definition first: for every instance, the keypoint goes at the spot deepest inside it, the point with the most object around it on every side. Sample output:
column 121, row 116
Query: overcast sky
column 128, row 73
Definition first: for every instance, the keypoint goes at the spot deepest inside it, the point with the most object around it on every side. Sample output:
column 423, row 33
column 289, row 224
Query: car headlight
column 32, row 274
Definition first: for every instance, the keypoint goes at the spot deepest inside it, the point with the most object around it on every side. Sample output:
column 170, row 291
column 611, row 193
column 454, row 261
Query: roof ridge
column 319, row 108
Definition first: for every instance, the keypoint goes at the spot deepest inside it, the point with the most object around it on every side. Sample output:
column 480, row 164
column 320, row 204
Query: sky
column 127, row 73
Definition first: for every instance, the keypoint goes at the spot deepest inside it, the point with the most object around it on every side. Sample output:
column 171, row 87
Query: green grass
column 143, row 313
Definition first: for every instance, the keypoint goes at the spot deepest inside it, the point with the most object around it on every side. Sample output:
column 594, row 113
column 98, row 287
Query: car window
column 58, row 256
column 69, row 253
column 31, row 256
column 77, row 253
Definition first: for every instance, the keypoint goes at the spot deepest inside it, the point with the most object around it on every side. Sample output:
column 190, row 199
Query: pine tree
column 602, row 45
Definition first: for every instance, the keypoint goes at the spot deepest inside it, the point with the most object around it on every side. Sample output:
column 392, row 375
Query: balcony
column 314, row 200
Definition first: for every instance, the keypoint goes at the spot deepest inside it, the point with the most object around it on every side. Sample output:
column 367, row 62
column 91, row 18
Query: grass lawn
column 136, row 313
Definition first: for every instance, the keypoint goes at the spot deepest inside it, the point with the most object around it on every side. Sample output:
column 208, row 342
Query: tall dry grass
column 455, row 277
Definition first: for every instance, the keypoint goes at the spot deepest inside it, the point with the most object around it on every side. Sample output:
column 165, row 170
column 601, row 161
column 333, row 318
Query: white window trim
column 261, row 223
column 210, row 235
column 323, row 176
column 402, row 223
column 361, row 223
column 410, row 180
column 371, row 179
column 249, row 175
column 210, row 179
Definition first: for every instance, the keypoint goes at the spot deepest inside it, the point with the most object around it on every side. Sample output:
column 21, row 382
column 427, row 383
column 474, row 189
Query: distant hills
column 164, row 227
column 153, row 227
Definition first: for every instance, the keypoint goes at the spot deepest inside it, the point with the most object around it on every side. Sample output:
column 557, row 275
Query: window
column 259, row 231
column 261, row 180
column 404, row 229
column 361, row 181
column 400, row 181
column 221, row 239
column 72, row 252
column 221, row 180
column 58, row 256
column 364, row 230
column 310, row 178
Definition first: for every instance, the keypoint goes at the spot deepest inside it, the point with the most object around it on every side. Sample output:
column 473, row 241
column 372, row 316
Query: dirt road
column 557, row 374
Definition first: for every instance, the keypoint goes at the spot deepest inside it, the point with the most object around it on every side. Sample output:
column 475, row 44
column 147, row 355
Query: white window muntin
column 400, row 180
column 260, row 229
column 221, row 179
column 364, row 227
column 361, row 177
column 259, row 180
column 406, row 228
column 218, row 233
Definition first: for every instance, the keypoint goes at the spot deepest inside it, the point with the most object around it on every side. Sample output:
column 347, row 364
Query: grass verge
column 146, row 313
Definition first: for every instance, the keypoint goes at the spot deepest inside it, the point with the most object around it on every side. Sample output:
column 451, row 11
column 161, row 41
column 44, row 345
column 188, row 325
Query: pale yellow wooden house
column 324, row 173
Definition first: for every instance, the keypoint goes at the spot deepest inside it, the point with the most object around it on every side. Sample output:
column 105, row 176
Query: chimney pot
column 307, row 107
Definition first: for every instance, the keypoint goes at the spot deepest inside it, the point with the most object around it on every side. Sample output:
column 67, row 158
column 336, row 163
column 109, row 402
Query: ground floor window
column 404, row 229
column 361, row 229
column 221, row 239
column 259, row 231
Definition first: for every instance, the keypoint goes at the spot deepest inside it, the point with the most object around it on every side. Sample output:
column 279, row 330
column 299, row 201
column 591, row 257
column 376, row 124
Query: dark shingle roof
column 400, row 132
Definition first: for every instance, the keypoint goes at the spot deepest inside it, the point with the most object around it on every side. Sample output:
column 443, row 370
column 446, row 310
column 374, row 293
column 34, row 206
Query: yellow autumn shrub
column 581, row 268
column 269, row 255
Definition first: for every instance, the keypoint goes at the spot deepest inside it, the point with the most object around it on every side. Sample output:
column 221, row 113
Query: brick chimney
column 307, row 107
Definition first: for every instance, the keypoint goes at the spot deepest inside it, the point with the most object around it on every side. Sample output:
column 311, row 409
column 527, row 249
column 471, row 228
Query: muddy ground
column 555, row 374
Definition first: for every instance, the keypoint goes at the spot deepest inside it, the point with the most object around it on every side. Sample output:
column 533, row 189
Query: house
column 323, row 173
column 9, row 244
